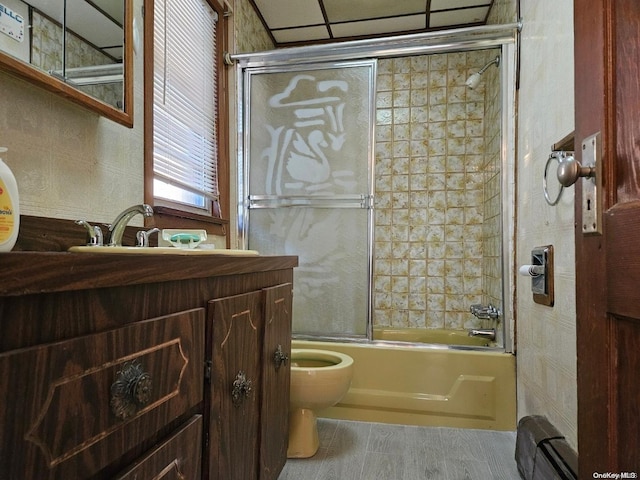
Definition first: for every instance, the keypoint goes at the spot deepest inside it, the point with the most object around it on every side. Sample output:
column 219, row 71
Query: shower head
column 474, row 79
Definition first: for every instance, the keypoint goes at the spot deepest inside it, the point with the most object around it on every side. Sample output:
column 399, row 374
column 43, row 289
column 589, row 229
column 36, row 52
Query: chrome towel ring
column 559, row 157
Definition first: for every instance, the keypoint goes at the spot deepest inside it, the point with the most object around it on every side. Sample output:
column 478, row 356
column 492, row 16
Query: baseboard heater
column 542, row 453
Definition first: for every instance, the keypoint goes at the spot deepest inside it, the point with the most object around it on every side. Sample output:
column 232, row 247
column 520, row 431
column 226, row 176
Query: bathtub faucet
column 488, row 333
column 484, row 313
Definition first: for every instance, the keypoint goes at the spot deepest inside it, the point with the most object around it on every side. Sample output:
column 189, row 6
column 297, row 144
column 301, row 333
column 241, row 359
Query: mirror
column 79, row 49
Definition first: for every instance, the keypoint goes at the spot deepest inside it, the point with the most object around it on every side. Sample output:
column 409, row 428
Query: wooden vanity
column 123, row 367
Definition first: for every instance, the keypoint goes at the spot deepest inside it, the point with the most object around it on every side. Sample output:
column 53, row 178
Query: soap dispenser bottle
column 9, row 207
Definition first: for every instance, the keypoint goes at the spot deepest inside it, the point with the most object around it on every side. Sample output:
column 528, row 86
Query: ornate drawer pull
column 241, row 389
column 280, row 358
column 131, row 390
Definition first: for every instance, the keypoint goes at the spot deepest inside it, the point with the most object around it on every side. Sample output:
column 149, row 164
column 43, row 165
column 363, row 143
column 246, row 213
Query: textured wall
column 249, row 33
column 69, row 162
column 546, row 339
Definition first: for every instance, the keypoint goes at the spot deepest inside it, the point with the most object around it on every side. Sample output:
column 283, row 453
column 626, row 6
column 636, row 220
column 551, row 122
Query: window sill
column 165, row 217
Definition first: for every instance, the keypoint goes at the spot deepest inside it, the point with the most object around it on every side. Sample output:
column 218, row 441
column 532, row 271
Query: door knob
column 569, row 170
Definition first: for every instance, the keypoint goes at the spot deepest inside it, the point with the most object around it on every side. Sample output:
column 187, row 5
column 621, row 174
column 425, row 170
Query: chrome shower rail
column 471, row 38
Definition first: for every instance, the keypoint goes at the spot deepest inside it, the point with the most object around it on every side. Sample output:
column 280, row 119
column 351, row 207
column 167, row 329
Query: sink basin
column 164, row 251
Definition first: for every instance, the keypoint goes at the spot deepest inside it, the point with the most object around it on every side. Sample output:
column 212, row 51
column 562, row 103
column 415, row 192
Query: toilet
column 319, row 379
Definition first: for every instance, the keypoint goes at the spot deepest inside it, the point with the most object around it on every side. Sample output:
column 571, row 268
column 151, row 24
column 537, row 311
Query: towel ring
column 557, row 156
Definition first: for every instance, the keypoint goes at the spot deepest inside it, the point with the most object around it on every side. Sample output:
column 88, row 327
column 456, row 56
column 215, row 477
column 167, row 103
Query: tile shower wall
column 436, row 182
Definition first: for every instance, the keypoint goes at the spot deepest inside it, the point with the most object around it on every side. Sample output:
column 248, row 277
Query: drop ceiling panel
column 295, row 35
column 112, row 8
column 100, row 32
column 376, row 27
column 451, row 4
column 290, row 13
column 341, row 10
column 458, row 17
column 300, row 21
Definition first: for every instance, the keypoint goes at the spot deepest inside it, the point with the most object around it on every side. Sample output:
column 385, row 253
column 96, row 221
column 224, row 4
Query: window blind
column 185, row 101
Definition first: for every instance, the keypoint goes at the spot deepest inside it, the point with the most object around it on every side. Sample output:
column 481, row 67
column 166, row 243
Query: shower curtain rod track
column 470, row 38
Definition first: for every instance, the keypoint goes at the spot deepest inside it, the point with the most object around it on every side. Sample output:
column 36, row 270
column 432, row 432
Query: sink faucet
column 116, row 229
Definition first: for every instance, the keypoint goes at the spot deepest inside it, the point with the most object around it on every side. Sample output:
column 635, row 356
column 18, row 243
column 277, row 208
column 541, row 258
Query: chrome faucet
column 116, row 229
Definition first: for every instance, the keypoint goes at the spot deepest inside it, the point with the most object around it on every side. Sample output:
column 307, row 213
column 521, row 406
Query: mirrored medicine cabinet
column 81, row 50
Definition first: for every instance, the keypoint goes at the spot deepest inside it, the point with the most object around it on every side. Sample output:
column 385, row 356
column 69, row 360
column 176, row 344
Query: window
column 183, row 162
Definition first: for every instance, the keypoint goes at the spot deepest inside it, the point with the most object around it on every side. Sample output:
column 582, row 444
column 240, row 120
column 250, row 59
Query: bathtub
column 427, row 385
column 430, row 335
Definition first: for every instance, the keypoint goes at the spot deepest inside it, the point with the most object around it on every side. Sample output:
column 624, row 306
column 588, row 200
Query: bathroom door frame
column 607, row 99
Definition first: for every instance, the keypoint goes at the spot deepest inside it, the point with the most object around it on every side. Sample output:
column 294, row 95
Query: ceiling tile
column 297, row 13
column 373, row 27
column 345, row 10
column 458, row 17
column 449, row 4
column 300, row 34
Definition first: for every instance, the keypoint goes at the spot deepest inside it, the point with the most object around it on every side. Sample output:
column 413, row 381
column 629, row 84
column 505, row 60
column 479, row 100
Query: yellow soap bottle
column 9, row 207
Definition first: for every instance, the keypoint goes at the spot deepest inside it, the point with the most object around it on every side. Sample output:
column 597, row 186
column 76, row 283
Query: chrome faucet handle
column 476, row 307
column 493, row 312
column 143, row 237
column 96, row 239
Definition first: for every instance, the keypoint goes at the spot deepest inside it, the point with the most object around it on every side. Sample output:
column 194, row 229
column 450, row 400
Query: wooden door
column 237, row 324
column 607, row 100
column 276, row 371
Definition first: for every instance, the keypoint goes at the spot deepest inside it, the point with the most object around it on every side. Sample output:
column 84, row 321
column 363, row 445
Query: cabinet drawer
column 72, row 408
column 178, row 458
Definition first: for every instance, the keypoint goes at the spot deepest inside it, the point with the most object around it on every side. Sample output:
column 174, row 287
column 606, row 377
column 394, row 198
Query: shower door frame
column 359, row 200
column 504, row 37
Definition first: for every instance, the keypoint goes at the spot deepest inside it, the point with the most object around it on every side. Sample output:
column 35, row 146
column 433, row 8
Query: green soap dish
column 184, row 238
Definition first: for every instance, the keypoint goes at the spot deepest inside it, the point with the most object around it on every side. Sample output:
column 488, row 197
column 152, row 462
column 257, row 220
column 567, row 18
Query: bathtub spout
column 488, row 333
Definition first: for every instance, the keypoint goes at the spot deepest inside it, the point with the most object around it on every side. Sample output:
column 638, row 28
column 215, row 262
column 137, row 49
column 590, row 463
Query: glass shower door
column 308, row 186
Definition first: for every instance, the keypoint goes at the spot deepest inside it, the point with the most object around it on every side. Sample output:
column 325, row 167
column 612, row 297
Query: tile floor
column 374, row 451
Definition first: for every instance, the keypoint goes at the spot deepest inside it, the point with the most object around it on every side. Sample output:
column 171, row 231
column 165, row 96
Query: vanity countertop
column 39, row 272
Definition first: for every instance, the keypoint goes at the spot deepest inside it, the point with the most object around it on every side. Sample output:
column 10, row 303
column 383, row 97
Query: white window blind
column 185, row 102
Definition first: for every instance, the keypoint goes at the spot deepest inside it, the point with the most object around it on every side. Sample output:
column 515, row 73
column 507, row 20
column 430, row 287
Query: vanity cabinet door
column 70, row 409
column 276, row 379
column 176, row 459
column 237, row 334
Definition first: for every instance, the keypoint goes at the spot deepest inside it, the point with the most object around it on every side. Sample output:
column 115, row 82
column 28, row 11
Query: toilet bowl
column 319, row 379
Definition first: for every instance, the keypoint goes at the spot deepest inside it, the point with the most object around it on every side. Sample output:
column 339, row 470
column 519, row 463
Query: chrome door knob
column 569, row 170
